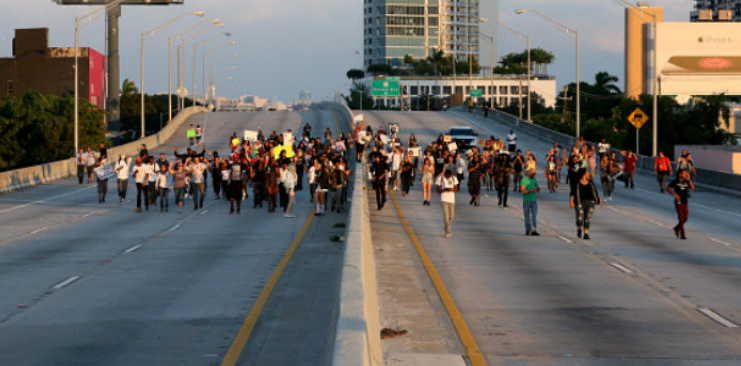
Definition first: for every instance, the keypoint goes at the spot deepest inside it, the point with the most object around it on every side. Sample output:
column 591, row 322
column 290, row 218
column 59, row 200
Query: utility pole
column 565, row 99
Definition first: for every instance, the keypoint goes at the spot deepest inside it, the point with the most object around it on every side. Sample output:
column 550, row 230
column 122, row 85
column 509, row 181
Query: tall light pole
column 89, row 17
column 491, row 75
column 184, row 40
column 169, row 61
column 209, row 52
column 529, row 65
column 143, row 40
column 568, row 31
column 211, row 80
column 654, row 76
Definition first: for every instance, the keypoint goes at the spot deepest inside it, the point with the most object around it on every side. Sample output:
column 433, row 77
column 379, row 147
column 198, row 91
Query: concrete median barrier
column 49, row 172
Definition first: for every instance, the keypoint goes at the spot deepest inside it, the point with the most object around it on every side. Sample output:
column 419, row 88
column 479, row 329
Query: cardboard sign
column 104, row 171
column 385, row 139
column 358, row 118
column 452, row 146
column 447, row 138
column 288, row 139
column 250, row 135
column 415, row 151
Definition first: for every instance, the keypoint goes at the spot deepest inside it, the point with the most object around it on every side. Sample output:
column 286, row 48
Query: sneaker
column 534, row 233
column 448, row 235
column 527, row 233
column 683, row 237
column 586, row 236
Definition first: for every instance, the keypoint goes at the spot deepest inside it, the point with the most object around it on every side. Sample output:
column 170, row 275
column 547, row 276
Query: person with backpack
column 662, row 169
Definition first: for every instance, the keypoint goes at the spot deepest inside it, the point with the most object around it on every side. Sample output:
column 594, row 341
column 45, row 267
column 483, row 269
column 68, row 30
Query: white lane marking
column 177, row 226
column 203, row 212
column 44, row 200
column 133, row 249
column 566, row 239
column 721, row 242
column 717, row 317
column 656, row 223
column 65, row 282
column 39, row 230
column 622, row 268
column 694, row 203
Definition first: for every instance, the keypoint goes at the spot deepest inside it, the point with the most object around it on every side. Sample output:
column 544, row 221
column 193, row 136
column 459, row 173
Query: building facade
column 393, row 29
column 503, row 90
column 50, row 70
column 716, row 10
column 639, row 50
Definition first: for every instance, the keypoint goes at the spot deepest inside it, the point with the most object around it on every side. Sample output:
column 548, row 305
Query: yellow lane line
column 232, row 356
column 474, row 354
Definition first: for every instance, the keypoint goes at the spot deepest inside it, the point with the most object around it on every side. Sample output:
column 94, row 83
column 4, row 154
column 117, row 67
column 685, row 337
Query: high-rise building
column 716, row 10
column 394, row 29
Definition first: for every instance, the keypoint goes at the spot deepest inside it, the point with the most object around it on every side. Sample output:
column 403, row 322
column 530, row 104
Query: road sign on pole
column 476, row 93
column 385, row 88
column 638, row 118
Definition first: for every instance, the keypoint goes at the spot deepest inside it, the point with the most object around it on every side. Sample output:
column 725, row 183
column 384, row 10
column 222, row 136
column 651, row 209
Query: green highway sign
column 476, row 93
column 385, row 88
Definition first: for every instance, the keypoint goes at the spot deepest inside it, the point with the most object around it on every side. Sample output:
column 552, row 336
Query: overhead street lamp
column 654, row 76
column 568, row 31
column 211, row 80
column 181, row 50
column 169, row 61
column 195, row 62
column 209, row 52
column 529, row 64
column 89, row 17
column 144, row 35
column 491, row 75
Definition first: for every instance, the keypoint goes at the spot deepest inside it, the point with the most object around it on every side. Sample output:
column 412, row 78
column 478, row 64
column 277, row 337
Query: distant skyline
column 293, row 45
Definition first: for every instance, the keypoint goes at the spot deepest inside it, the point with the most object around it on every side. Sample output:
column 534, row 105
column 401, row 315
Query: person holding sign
column 102, row 180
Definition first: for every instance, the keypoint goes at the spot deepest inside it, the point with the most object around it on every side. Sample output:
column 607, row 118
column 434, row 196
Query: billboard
column 698, row 58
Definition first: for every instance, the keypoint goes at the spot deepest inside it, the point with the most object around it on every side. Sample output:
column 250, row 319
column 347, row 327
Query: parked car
column 463, row 136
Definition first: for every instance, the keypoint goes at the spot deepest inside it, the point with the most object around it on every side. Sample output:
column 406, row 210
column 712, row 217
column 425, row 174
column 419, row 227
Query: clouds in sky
column 290, row 45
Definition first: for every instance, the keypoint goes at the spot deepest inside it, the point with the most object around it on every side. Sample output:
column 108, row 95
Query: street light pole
column 491, row 75
column 143, row 41
column 209, row 52
column 529, row 64
column 568, row 31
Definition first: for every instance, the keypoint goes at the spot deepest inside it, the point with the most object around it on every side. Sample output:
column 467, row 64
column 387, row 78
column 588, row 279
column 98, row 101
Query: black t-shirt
column 379, row 168
column 681, row 188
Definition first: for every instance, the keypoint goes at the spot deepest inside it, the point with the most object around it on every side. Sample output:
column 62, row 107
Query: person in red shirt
column 662, row 169
column 629, row 163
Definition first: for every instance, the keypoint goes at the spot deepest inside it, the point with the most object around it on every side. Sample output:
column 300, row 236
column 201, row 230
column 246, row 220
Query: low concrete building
column 504, row 90
column 50, row 70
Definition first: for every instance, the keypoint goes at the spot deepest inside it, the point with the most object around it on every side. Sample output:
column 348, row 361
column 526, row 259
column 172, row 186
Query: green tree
column 355, row 74
column 359, row 92
column 605, row 83
column 129, row 88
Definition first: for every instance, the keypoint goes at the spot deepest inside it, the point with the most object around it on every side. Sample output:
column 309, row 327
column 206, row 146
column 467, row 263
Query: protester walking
column 290, row 186
column 379, row 172
column 163, row 187
column 511, row 141
column 141, row 174
column 447, row 185
column 81, row 162
column 529, row 188
column 662, row 169
column 680, row 188
column 102, row 183
column 122, row 176
column 583, row 199
column 428, row 169
column 180, row 185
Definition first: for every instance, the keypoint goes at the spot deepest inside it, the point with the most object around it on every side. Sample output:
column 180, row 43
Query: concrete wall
column 44, row 173
column 723, row 158
column 709, row 179
column 358, row 334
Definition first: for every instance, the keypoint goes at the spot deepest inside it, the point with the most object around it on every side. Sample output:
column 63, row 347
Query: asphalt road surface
column 84, row 283
column 633, row 295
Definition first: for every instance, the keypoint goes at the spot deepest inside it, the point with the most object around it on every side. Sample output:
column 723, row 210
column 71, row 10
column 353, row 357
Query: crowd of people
column 274, row 167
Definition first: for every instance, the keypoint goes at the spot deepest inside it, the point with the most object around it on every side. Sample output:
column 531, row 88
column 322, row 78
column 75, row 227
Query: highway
column 97, row 284
column 634, row 294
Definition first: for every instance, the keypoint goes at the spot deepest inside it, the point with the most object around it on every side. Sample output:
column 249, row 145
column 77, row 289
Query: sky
column 291, row 45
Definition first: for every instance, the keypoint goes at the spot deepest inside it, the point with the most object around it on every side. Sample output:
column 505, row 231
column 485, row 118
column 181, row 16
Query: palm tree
column 604, row 82
column 129, row 88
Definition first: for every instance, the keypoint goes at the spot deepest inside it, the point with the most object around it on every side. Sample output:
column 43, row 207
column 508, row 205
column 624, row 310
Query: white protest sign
column 385, row 139
column 288, row 139
column 452, row 146
column 415, row 151
column 104, row 171
column 250, row 135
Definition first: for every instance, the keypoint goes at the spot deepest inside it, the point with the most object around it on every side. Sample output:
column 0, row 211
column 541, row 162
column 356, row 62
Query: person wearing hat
column 122, row 175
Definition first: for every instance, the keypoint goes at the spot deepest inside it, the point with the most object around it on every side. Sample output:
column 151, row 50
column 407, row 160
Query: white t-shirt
column 140, row 172
column 446, row 183
column 154, row 169
column 511, row 139
column 163, row 180
column 603, row 147
column 311, row 177
column 196, row 172
column 123, row 170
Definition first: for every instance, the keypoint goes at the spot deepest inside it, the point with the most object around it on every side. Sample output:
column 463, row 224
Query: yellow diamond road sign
column 638, row 118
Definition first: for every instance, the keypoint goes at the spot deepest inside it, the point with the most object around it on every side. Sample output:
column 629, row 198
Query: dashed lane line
column 717, row 317
column 65, row 283
column 10, row 209
column 622, row 268
column 41, row 229
column 133, row 249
